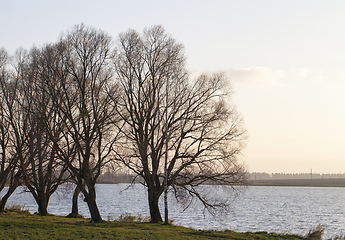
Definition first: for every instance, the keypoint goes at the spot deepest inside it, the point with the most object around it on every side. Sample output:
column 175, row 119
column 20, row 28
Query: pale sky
column 285, row 60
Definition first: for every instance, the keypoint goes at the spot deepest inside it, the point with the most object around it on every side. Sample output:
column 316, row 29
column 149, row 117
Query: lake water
column 257, row 208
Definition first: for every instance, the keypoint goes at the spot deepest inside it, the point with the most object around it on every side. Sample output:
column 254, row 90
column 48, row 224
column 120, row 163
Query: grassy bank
column 23, row 225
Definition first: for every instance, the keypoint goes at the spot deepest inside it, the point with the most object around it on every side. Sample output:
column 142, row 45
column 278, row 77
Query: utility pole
column 166, row 217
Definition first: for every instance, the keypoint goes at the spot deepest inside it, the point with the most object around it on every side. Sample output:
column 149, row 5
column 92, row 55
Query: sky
column 284, row 59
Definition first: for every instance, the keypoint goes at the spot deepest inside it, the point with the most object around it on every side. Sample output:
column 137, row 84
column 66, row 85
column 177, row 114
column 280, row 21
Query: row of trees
column 71, row 108
column 310, row 175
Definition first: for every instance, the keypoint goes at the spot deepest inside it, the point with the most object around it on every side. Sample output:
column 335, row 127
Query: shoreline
column 335, row 182
column 330, row 182
column 23, row 225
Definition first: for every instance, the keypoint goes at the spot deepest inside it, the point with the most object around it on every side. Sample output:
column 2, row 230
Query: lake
column 256, row 208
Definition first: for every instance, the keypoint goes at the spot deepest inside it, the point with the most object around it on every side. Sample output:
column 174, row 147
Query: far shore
column 332, row 182
column 329, row 182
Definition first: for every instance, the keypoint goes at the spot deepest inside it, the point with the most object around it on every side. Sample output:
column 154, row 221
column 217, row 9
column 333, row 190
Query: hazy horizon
column 284, row 59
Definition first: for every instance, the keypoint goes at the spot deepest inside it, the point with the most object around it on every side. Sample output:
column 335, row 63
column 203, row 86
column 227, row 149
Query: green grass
column 23, row 225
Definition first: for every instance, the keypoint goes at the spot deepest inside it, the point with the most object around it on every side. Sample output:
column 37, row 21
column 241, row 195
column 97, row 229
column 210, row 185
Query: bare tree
column 15, row 125
column 78, row 89
column 205, row 133
column 9, row 160
column 45, row 172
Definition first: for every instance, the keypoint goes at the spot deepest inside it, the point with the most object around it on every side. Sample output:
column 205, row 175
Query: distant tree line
column 267, row 176
column 71, row 109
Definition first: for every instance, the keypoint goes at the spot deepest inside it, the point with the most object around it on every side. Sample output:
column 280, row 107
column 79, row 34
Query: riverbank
column 330, row 182
column 327, row 181
column 23, row 225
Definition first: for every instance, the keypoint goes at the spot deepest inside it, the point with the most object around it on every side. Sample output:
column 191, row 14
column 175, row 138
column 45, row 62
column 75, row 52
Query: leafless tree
column 45, row 172
column 78, row 88
column 205, row 133
column 15, row 125
column 9, row 159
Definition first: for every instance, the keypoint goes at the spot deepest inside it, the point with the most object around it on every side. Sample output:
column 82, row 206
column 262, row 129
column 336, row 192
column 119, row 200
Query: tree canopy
column 71, row 108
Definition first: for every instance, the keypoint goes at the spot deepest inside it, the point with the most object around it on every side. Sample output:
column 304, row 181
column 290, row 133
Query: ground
column 23, row 225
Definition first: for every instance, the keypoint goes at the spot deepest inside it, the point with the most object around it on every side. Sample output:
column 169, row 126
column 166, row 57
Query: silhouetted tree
column 45, row 171
column 9, row 170
column 205, row 133
column 78, row 87
column 15, row 125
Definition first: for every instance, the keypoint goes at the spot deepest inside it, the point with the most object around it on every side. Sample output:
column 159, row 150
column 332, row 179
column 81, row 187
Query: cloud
column 301, row 78
column 307, row 76
column 256, row 75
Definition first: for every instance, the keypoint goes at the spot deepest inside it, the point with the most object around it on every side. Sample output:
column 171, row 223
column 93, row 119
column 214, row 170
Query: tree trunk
column 2, row 205
column 75, row 211
column 4, row 199
column 153, row 204
column 90, row 198
column 42, row 204
column 3, row 202
column 42, row 208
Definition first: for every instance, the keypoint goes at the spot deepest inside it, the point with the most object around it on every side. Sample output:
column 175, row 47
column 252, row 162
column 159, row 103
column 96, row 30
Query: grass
column 23, row 225
column 316, row 233
column 16, row 208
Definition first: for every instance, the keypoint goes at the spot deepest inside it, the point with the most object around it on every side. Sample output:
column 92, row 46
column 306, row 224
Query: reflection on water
column 258, row 208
